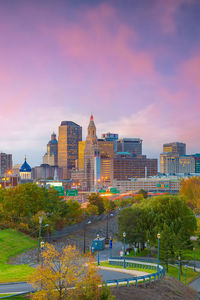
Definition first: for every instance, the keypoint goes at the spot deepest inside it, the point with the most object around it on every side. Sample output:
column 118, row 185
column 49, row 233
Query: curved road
column 25, row 287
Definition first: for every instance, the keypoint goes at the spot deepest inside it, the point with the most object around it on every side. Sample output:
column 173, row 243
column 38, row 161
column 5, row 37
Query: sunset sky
column 135, row 64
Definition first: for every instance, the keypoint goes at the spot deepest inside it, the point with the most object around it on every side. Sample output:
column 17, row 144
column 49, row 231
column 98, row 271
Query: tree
column 168, row 215
column 190, row 188
column 143, row 193
column 96, row 200
column 132, row 221
column 65, row 274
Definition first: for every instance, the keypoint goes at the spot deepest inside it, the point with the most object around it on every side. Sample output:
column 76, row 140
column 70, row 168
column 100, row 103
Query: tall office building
column 81, row 149
column 131, row 145
column 70, row 134
column 106, row 149
column 126, row 166
column 91, row 158
column 176, row 147
column 5, row 163
column 51, row 156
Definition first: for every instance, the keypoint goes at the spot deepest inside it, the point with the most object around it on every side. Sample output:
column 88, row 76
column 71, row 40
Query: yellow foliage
column 65, row 274
column 190, row 188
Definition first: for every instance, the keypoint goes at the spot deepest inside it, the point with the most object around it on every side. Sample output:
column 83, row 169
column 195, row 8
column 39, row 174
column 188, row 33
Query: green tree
column 143, row 193
column 96, row 200
column 132, row 221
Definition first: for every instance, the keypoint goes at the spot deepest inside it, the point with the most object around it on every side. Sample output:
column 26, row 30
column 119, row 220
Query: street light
column 185, row 275
column 98, row 249
column 179, row 272
column 158, row 237
column 124, row 236
column 194, row 260
column 110, row 246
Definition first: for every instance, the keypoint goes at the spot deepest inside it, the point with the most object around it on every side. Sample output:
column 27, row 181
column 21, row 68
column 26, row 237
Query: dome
column 25, row 167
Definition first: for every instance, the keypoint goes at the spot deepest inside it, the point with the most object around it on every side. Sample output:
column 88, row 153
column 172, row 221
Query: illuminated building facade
column 81, row 149
column 5, row 163
column 106, row 149
column 51, row 156
column 178, row 148
column 70, row 134
column 127, row 166
column 173, row 163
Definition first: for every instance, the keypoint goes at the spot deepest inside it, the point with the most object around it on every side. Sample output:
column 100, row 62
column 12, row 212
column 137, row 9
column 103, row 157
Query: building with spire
column 92, row 168
column 51, row 156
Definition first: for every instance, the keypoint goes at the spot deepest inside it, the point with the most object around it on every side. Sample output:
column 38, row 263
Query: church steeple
column 91, row 137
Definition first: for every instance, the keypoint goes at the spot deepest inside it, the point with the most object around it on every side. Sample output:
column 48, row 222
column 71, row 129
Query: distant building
column 81, row 149
column 173, row 163
column 45, row 171
column 156, row 184
column 16, row 168
column 51, row 156
column 5, row 163
column 131, row 145
column 70, row 134
column 197, row 162
column 25, row 172
column 92, row 171
column 175, row 148
column 111, row 137
column 127, row 166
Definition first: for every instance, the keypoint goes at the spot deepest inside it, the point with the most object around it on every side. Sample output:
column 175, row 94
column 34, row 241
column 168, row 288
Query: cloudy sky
column 135, row 64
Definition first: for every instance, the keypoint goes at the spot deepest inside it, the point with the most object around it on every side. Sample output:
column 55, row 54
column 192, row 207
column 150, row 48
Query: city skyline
column 134, row 66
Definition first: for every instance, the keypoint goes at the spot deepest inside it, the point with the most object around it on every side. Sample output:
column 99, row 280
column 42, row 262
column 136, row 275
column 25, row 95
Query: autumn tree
column 190, row 188
column 65, row 274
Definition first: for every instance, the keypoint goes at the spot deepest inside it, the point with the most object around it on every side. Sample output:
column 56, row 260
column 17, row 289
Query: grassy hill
column 12, row 243
column 166, row 289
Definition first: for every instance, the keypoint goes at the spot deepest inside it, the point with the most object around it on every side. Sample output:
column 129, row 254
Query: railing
column 137, row 264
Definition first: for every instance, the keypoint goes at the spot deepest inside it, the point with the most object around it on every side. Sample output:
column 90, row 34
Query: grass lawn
column 174, row 272
column 12, row 243
column 186, row 255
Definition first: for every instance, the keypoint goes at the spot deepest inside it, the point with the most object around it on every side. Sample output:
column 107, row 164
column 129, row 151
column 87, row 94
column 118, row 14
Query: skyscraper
column 5, row 163
column 131, row 145
column 176, row 147
column 51, row 156
column 69, row 136
column 91, row 157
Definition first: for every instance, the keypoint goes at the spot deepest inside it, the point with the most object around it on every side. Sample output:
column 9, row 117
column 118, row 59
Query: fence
column 136, row 264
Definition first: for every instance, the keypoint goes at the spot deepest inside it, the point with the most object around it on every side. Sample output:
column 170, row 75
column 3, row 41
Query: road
column 24, row 287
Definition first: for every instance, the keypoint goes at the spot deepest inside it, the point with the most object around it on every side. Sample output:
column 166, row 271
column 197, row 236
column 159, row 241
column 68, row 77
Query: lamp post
column 148, row 249
column 124, row 236
column 185, row 275
column 158, row 237
column 194, row 260
column 41, row 248
column 39, row 237
column 179, row 264
column 98, row 249
column 110, row 246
